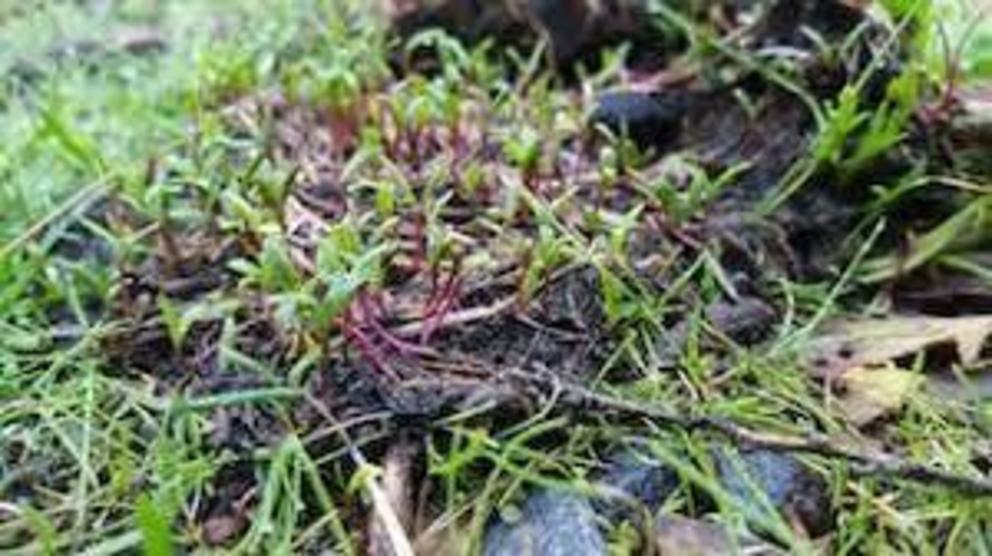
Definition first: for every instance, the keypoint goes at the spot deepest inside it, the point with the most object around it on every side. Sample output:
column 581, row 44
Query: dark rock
column 650, row 120
column 789, row 486
column 747, row 322
column 550, row 524
column 640, row 479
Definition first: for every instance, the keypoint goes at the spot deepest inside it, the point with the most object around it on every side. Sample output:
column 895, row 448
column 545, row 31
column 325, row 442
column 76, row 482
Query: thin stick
column 397, row 485
column 466, row 316
column 381, row 503
column 875, row 465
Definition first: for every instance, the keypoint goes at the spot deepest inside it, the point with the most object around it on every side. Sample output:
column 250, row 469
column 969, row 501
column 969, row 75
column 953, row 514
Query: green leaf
column 970, row 226
column 841, row 121
column 365, row 473
column 43, row 529
column 615, row 295
column 242, row 210
column 176, row 324
column 336, row 251
column 154, row 527
column 276, row 271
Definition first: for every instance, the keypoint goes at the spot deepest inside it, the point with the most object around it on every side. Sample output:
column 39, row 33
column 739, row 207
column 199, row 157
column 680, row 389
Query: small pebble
column 650, row 121
column 551, row 523
column 790, row 486
column 642, row 479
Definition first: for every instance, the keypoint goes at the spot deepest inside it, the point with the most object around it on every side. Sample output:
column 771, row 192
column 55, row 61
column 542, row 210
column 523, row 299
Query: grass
column 100, row 456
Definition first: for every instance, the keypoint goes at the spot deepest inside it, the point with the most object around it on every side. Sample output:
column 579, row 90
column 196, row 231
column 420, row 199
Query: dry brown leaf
column 682, row 536
column 866, row 343
column 873, row 393
column 444, row 539
column 222, row 529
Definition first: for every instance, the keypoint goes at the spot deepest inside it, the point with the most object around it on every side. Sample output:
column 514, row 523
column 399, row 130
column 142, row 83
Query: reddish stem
column 420, row 240
column 447, row 300
column 364, row 344
column 373, row 311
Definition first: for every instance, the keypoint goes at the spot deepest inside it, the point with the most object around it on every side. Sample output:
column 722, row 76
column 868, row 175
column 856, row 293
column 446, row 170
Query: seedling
column 682, row 202
column 523, row 150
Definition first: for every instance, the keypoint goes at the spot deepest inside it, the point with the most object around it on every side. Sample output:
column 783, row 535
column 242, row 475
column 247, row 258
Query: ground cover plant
column 320, row 276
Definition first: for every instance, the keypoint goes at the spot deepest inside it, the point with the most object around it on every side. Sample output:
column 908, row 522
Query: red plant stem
column 401, row 346
column 364, row 345
column 419, row 240
column 371, row 308
column 448, row 299
column 373, row 311
column 665, row 227
column 436, row 296
column 432, row 298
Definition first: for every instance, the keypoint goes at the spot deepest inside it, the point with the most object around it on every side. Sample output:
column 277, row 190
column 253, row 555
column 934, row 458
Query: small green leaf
column 154, row 527
column 969, row 227
column 175, row 322
column 276, row 271
column 361, row 477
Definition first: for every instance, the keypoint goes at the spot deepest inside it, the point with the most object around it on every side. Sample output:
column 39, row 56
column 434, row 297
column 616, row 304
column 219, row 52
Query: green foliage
column 344, row 266
column 971, row 227
column 684, row 202
column 155, row 528
column 163, row 136
column 523, row 149
column 843, row 118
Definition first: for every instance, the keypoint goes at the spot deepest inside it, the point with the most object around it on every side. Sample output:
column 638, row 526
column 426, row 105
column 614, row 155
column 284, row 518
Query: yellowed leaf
column 851, row 344
column 873, row 393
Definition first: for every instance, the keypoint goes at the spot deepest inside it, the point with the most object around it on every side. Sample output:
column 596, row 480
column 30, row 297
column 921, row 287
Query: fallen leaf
column 676, row 535
column 444, row 539
column 222, row 529
column 866, row 343
column 873, row 393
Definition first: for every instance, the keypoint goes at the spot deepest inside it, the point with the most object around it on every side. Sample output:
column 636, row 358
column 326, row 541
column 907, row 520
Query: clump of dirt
column 575, row 30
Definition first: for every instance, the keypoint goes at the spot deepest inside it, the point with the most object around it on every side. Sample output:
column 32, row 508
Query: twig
column 8, row 508
column 335, row 428
column 876, row 465
column 398, row 486
column 381, row 504
column 456, row 318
